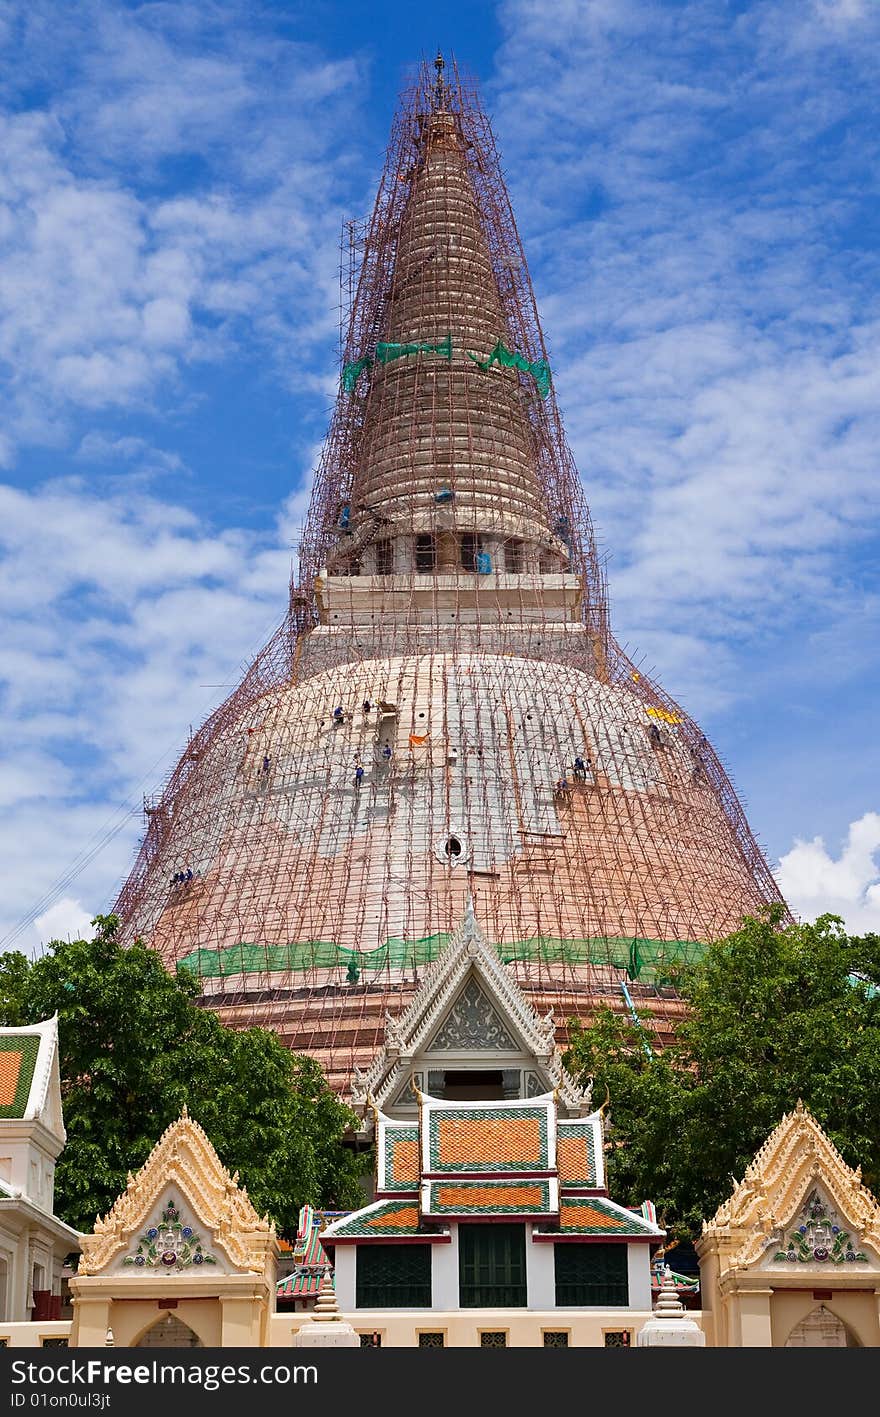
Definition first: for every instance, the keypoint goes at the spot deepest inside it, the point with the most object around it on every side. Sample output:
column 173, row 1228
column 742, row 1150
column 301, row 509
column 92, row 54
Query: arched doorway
column 169, row 1332
column 821, row 1329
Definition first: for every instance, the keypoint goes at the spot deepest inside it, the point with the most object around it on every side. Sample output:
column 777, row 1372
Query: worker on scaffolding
column 267, row 762
column 338, row 716
column 699, row 764
column 580, row 769
column 366, row 706
column 655, row 736
column 358, row 775
column 387, row 752
column 561, row 790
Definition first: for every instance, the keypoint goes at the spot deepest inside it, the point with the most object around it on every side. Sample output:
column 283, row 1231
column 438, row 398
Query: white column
column 638, row 1259
column 344, row 1271
column 444, row 1274
column 540, row 1273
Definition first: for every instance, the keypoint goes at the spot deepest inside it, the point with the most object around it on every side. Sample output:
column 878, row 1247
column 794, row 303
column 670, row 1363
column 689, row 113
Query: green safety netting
column 642, row 959
column 352, row 372
column 311, row 954
column 539, row 369
column 385, row 352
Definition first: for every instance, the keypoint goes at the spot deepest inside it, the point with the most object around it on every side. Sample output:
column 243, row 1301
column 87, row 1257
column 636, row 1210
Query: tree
column 773, row 1015
column 135, row 1046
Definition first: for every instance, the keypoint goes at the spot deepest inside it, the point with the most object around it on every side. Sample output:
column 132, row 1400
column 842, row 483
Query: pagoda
column 444, row 711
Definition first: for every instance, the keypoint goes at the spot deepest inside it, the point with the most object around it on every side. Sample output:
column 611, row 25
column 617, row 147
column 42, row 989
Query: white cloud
column 692, row 197
column 815, row 883
column 110, row 288
column 66, row 920
column 125, row 620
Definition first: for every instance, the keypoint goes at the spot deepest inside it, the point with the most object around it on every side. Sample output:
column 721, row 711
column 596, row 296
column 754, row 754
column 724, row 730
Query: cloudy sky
column 696, row 184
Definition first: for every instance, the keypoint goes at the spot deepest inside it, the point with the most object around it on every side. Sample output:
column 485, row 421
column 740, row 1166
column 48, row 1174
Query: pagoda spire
column 446, row 448
column 440, row 87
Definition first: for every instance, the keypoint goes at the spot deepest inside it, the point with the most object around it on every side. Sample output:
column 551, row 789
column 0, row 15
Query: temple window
column 470, row 548
column 384, row 557
column 513, row 556
column 426, row 553
column 492, row 1266
column 393, row 1277
column 591, row 1275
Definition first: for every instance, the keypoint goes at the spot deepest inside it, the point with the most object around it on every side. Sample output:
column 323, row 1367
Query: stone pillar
column 241, row 1321
column 670, row 1325
column 326, row 1328
column 448, row 563
column 754, row 1317
column 91, row 1320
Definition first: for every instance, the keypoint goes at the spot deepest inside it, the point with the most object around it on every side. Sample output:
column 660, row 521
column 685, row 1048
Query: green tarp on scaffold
column 641, row 959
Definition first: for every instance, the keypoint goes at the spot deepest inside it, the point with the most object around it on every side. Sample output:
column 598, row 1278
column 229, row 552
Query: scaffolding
column 444, row 709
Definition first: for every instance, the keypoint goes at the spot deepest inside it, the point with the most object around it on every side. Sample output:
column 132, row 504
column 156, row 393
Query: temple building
column 491, row 1211
column 444, row 711
column 490, row 1224
column 34, row 1243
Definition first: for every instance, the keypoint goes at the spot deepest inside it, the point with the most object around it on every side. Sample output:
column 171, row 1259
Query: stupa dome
column 444, row 711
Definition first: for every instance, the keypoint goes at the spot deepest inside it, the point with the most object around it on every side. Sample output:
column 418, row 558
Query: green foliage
column 135, row 1047
column 14, row 969
column 774, row 1015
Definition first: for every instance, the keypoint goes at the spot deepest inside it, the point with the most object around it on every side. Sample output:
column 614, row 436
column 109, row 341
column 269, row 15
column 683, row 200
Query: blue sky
column 696, row 184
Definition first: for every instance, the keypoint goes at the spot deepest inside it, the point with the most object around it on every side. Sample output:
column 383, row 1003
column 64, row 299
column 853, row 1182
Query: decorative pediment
column 170, row 1244
column 816, row 1236
column 798, row 1185
column 181, row 1212
column 467, row 1000
column 472, row 1022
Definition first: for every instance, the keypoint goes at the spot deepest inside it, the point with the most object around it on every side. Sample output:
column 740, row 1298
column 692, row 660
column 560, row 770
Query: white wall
column 540, row 1273
column 344, row 1270
column 639, row 1267
column 444, row 1274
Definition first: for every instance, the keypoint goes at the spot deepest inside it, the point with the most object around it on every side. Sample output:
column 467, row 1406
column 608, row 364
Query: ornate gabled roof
column 184, row 1159
column 468, row 954
column 579, row 1154
column 778, row 1183
column 397, row 1155
column 484, row 1137
column 30, row 1089
column 497, row 1198
column 597, row 1216
column 383, row 1220
column 491, row 1160
column 311, row 1261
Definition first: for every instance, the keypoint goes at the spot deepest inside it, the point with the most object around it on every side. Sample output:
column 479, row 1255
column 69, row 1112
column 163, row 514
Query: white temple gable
column 468, row 1015
column 473, row 1022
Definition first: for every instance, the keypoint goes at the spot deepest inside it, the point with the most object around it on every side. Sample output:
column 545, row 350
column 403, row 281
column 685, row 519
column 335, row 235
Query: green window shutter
column 591, row 1275
column 492, row 1266
column 393, row 1277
